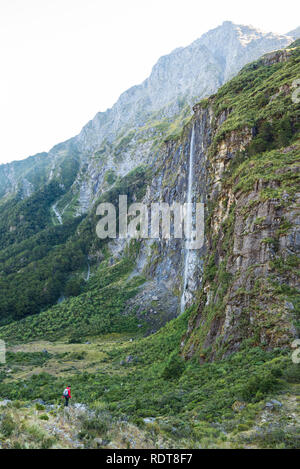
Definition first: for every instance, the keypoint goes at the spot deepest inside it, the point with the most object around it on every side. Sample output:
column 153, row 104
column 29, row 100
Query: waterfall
column 189, row 254
column 57, row 214
column 88, row 271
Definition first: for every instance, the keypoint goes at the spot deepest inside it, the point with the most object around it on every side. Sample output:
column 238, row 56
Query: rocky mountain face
column 187, row 74
column 295, row 33
column 244, row 279
column 118, row 140
column 240, row 146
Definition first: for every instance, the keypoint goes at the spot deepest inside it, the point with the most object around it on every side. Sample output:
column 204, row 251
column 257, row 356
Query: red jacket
column 69, row 392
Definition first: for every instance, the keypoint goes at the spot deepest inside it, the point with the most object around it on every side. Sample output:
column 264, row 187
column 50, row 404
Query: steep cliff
column 244, row 281
column 250, row 287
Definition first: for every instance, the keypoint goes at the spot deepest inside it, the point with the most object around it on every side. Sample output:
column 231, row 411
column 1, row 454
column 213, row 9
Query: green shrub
column 258, row 386
column 174, row 367
column 7, row 425
column 39, row 406
column 292, row 373
column 279, row 438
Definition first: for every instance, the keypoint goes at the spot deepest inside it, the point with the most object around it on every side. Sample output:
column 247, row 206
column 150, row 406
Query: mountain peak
column 295, row 33
column 188, row 73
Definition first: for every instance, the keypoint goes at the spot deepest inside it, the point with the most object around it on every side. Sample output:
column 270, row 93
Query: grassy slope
column 192, row 404
column 101, row 309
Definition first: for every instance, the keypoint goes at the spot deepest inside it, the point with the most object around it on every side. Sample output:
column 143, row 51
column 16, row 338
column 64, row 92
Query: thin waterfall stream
column 189, row 219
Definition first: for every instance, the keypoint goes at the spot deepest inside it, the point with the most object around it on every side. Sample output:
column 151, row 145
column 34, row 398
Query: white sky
column 64, row 60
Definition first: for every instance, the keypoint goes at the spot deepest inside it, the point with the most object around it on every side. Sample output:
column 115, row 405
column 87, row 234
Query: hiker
column 67, row 395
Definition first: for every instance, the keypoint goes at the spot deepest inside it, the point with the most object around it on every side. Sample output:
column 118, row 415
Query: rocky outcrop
column 250, row 285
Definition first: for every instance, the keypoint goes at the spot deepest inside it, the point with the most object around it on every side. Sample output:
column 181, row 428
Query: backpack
column 66, row 393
